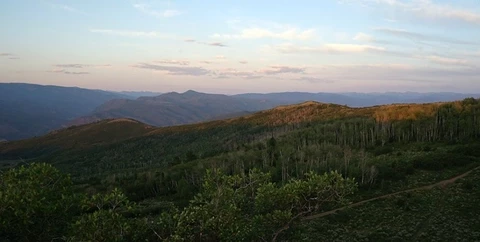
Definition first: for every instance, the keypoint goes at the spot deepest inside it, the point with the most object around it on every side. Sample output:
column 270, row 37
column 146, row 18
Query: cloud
column 71, row 65
column 146, row 9
column 400, row 33
column 391, row 20
column 364, row 37
column 63, row 71
column 426, row 9
column 220, row 57
column 217, row 44
column 334, row 48
column 446, row 61
column 174, row 62
column 243, row 62
column 76, row 73
column 78, row 66
column 171, row 13
column 313, row 79
column 273, row 70
column 9, row 56
column 328, row 48
column 128, row 33
column 178, row 69
column 67, row 8
column 396, row 72
column 175, row 70
column 231, row 72
column 351, row 48
column 259, row 33
column 255, row 74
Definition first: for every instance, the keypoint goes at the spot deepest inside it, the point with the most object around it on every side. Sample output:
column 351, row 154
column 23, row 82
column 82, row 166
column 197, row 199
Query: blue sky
column 243, row 46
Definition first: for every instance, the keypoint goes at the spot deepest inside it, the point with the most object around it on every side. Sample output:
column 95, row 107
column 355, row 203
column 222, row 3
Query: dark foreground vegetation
column 254, row 178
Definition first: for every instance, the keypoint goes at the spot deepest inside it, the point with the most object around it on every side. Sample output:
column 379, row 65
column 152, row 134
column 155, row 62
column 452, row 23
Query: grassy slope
column 79, row 137
column 445, row 213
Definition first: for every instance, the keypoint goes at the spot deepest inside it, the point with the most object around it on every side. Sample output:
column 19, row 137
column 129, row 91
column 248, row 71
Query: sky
column 226, row 46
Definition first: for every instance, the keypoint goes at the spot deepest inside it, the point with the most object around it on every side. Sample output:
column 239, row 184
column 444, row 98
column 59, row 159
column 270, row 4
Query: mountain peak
column 191, row 92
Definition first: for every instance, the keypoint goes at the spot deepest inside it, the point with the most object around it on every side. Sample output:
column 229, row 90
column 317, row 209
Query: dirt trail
column 438, row 184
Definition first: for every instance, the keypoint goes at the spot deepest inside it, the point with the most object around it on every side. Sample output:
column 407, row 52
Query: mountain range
column 31, row 110
column 176, row 108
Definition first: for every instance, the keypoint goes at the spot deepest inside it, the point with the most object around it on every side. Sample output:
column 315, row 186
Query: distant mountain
column 358, row 99
column 140, row 94
column 176, row 108
column 28, row 110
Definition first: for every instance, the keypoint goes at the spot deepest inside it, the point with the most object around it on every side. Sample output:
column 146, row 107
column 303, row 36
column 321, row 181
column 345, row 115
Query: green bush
column 37, row 203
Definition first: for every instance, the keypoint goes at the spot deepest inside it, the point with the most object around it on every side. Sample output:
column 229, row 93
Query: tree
column 36, row 203
column 251, row 207
column 106, row 222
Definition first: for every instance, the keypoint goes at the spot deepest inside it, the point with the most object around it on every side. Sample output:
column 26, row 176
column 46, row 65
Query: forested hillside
column 261, row 176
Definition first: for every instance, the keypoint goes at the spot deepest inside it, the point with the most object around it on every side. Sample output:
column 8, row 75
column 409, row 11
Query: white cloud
column 401, row 73
column 175, row 70
column 351, row 48
column 273, row 70
column 429, row 9
column 363, row 37
column 174, row 62
column 79, row 66
column 67, row 8
column 128, row 33
column 328, row 48
column 426, row 9
column 314, row 80
column 446, row 61
column 171, row 13
column 220, row 57
column 259, row 33
column 414, row 36
column 145, row 8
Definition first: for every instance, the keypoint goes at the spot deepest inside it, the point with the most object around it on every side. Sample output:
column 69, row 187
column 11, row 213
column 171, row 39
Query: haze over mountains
column 30, row 110
column 176, row 108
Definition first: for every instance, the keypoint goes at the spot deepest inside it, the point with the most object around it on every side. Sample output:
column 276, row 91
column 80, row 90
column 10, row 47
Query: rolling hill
column 32, row 110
